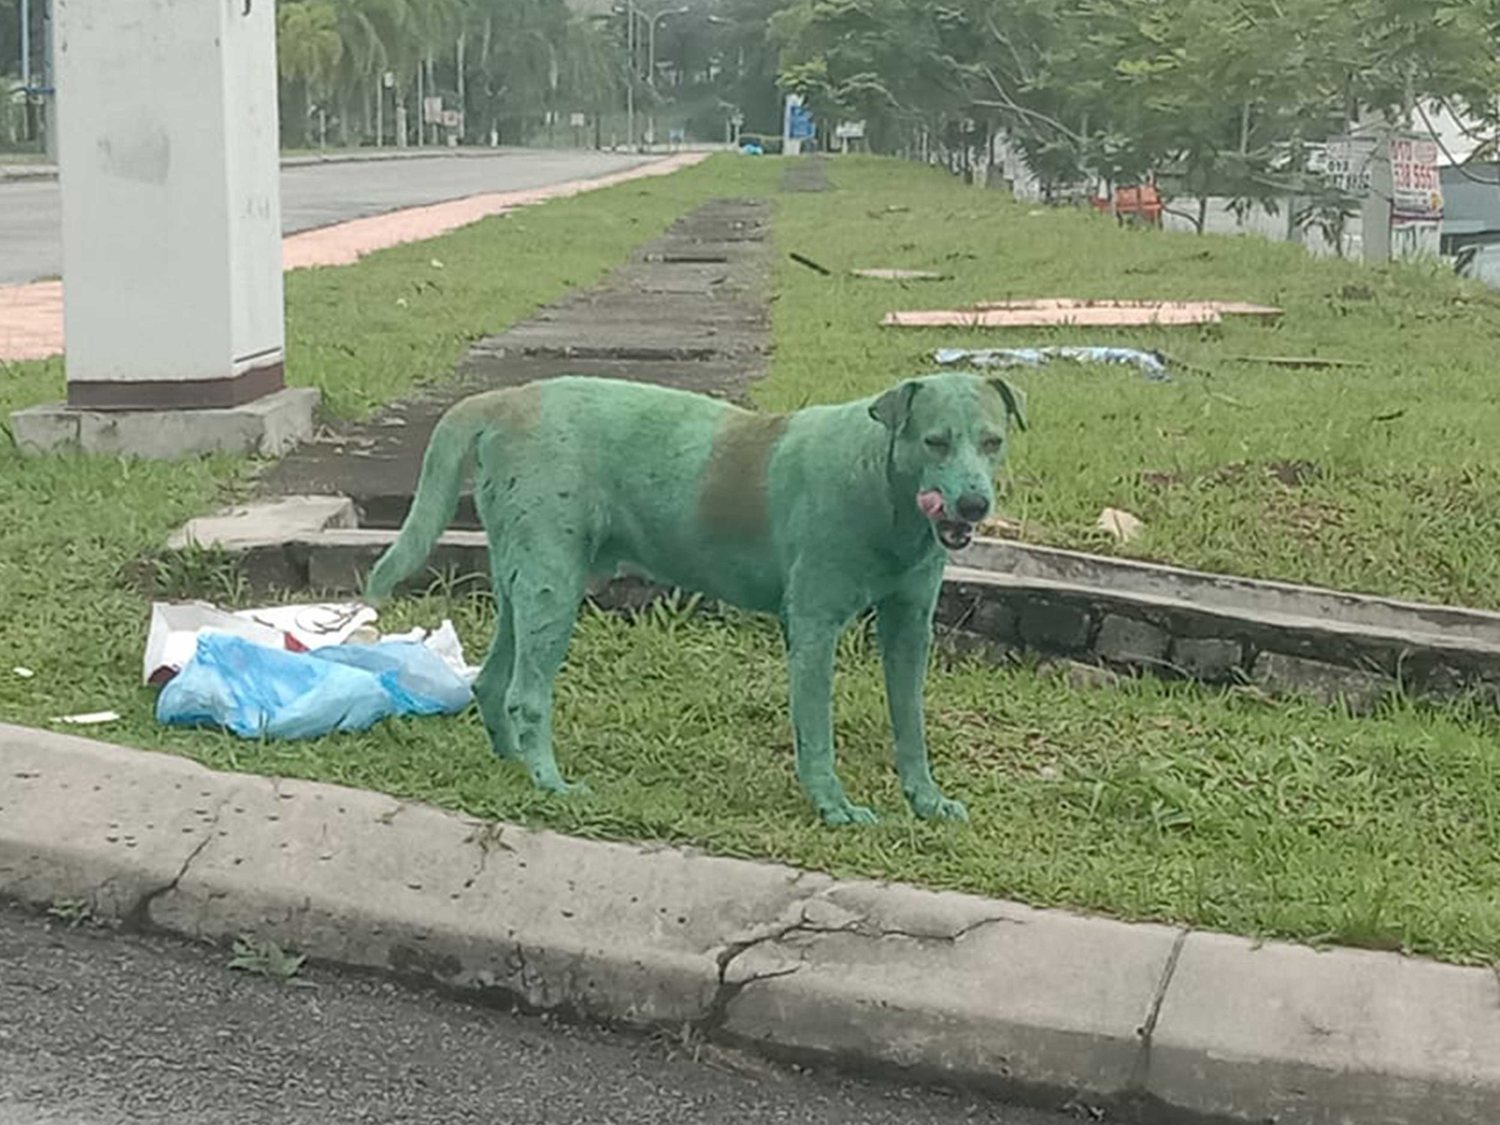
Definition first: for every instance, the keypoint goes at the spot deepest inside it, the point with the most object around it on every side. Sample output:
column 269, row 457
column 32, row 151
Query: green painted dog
column 814, row 516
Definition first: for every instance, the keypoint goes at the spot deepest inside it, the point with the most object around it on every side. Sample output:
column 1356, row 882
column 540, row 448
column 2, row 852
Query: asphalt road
column 312, row 195
column 101, row 1028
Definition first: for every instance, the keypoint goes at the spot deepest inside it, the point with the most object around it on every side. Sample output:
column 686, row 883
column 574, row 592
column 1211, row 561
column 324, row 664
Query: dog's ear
column 1015, row 400
column 893, row 408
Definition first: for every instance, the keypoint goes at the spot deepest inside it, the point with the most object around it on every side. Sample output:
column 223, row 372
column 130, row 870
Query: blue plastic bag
column 414, row 676
column 260, row 692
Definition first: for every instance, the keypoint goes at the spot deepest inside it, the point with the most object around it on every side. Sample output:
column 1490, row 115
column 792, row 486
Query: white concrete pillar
column 170, row 173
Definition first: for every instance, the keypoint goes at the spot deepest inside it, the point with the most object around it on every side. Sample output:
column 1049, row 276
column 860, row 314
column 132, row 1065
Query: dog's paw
column 934, row 806
column 561, row 788
column 848, row 813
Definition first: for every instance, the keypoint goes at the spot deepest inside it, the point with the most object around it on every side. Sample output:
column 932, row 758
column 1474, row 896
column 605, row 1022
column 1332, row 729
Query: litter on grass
column 445, row 643
column 884, row 273
column 176, row 626
column 286, row 672
column 1071, row 312
column 1311, row 361
column 90, row 719
column 1121, row 525
column 1153, row 365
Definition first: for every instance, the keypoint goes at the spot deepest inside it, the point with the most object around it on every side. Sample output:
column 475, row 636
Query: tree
column 517, row 65
column 1212, row 96
column 308, row 49
column 880, row 61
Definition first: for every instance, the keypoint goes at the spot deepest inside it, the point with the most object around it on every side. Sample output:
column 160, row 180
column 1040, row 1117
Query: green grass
column 1143, row 801
column 1401, row 481
column 1148, row 801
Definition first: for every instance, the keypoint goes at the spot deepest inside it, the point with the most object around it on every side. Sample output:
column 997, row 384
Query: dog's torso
column 696, row 493
column 812, row 516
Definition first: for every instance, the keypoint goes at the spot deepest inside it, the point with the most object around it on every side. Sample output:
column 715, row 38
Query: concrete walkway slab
column 1145, row 1020
column 31, row 315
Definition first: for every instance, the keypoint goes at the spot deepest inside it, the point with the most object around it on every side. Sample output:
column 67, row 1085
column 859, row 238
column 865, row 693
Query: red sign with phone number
column 1417, row 189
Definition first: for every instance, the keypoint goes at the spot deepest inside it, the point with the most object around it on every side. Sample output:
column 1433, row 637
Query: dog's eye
column 936, row 442
column 991, row 446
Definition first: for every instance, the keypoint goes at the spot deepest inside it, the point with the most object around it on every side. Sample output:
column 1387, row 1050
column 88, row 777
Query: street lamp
column 631, row 42
column 651, row 39
column 651, row 23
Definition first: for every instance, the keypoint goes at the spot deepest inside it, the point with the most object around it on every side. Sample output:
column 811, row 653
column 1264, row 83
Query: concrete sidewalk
column 1139, row 1019
column 31, row 315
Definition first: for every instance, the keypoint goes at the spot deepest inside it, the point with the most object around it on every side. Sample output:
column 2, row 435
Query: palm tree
column 364, row 27
column 504, row 58
column 518, row 61
column 593, row 69
column 436, row 26
column 308, row 49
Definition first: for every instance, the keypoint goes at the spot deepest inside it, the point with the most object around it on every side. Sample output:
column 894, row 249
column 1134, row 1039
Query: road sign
column 577, row 120
column 1416, row 189
column 1347, row 164
column 799, row 123
column 849, row 130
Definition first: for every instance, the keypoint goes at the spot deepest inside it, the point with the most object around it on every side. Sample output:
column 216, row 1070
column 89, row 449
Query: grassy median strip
column 1145, row 801
column 1380, row 477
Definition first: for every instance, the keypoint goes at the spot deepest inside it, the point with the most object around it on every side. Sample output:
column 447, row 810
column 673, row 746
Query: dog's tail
column 444, row 468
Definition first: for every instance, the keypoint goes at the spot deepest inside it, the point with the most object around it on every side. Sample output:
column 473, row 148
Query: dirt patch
column 1304, row 518
column 1288, row 474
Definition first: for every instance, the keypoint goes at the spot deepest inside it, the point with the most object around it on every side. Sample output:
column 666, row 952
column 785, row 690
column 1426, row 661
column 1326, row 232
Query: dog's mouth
column 955, row 534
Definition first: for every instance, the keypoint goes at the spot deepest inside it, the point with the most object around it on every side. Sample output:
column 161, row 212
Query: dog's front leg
column 904, row 625
column 811, row 641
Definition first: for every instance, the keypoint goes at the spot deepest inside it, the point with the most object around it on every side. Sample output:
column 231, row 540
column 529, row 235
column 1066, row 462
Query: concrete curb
column 968, row 990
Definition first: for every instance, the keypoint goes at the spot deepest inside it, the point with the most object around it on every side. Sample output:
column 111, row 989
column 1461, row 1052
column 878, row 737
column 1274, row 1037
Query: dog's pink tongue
column 931, row 503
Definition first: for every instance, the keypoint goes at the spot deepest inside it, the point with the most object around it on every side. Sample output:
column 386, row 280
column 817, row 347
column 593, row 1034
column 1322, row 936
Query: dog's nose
column 972, row 507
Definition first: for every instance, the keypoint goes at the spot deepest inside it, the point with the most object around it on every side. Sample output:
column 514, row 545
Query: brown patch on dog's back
column 733, row 499
column 517, row 409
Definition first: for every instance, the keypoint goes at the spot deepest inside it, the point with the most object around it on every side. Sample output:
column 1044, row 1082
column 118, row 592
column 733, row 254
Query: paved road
column 311, row 195
column 98, row 1028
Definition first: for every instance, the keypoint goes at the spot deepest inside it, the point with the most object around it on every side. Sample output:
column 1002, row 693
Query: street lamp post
column 632, row 42
column 630, row 84
column 651, row 22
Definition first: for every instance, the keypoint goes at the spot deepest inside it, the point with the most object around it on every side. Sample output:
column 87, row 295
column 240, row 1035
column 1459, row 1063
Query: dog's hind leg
column 492, row 684
column 811, row 642
column 904, row 626
column 544, row 599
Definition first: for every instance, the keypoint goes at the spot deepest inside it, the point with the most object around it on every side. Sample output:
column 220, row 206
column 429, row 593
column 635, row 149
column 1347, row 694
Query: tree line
column 1223, row 96
column 358, row 69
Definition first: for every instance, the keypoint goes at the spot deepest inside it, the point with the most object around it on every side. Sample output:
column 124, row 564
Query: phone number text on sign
column 1416, row 188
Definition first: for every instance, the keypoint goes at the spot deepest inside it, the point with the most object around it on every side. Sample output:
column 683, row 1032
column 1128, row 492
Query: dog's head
column 949, row 434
